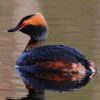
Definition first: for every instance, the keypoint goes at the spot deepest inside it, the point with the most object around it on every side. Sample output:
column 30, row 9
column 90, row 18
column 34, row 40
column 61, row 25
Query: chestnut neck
column 34, row 44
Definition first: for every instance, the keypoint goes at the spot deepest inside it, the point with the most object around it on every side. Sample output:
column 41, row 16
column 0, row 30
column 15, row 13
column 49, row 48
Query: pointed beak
column 20, row 24
column 13, row 29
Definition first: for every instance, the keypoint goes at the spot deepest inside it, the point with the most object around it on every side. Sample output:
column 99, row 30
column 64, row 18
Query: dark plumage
column 33, row 25
column 52, row 53
column 37, row 58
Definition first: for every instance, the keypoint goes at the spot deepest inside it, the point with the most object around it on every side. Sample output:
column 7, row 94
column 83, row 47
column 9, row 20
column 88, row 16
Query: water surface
column 71, row 22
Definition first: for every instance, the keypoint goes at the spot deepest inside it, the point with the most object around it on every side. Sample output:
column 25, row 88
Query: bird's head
column 33, row 25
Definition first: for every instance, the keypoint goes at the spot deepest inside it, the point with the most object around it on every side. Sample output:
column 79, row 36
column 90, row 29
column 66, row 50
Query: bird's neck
column 34, row 44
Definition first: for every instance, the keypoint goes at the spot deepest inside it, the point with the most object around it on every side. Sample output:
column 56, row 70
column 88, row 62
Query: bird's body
column 37, row 58
column 51, row 57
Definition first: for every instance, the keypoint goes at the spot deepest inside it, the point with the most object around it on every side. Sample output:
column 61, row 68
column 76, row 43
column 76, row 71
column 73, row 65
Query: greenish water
column 71, row 22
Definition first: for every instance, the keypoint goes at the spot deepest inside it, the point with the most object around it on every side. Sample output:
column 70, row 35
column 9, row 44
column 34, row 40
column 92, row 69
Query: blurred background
column 71, row 22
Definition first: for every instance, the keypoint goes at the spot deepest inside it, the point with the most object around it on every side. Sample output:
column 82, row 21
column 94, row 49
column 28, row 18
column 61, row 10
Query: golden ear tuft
column 37, row 20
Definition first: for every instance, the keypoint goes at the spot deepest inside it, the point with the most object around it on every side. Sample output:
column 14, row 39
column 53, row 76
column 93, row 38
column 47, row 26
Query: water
column 71, row 22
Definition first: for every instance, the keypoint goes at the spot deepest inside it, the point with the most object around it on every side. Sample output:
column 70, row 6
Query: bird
column 38, row 57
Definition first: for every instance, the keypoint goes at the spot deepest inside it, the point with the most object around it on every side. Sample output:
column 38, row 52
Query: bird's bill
column 13, row 29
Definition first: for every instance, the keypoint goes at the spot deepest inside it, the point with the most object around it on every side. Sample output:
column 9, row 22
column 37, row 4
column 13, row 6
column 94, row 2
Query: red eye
column 23, row 25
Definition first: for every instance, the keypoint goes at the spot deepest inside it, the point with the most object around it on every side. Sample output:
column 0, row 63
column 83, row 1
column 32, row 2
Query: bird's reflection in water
column 42, row 81
column 37, row 94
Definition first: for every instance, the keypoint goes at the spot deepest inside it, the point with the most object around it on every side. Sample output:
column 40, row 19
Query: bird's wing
column 79, row 55
column 52, row 53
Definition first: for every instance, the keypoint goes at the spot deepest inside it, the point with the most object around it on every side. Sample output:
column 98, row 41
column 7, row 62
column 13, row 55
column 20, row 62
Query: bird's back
column 51, row 57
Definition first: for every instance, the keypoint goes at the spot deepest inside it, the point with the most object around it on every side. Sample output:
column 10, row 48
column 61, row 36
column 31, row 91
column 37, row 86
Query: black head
column 33, row 25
